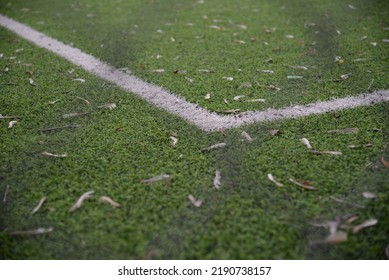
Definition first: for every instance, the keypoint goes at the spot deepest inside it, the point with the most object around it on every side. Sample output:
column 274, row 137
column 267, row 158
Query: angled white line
column 207, row 121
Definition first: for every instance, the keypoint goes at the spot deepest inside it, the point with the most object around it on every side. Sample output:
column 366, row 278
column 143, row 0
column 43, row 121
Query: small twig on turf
column 36, row 209
column 5, row 194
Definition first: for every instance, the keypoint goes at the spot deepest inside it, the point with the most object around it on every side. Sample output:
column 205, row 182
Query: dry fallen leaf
column 36, row 209
column 246, row 136
column 106, row 199
column 54, row 155
column 344, row 131
column 271, row 178
column 385, row 162
column 215, row 146
column 195, row 202
column 81, row 200
column 156, row 179
column 11, row 124
column 305, row 184
column 217, row 179
column 228, row 78
column 73, row 115
column 33, row 232
column 367, row 223
column 109, row 106
column 305, row 141
column 369, row 195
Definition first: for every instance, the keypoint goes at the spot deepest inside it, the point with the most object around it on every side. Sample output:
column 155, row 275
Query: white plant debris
column 344, row 130
column 360, row 146
column 216, row 27
column 203, row 71
column 247, row 136
column 245, row 85
column 271, row 178
column 338, row 32
column 291, row 77
column 306, row 142
column 385, row 40
column 345, row 76
column 31, row 81
column 213, row 147
column 374, row 44
column 352, row 7
column 109, row 106
column 369, row 195
column 39, row 205
column 304, row 185
column 289, row 36
column 236, row 98
column 158, row 70
column 190, row 80
column 196, row 202
column 107, row 199
column 54, row 155
column 73, row 115
column 242, row 26
column 156, row 179
column 174, row 140
column 79, row 202
column 37, row 231
column 225, row 101
column 333, row 153
column 299, row 67
column 365, row 224
column 207, row 96
column 363, row 38
column 53, row 102
column 228, row 78
column 84, row 100
column 217, row 179
column 79, row 80
column 5, row 194
column 11, row 124
column 265, row 71
column 255, row 100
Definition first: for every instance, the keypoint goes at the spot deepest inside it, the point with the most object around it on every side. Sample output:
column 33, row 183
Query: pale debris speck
column 5, row 194
column 369, row 195
column 338, row 32
column 242, row 26
column 157, row 70
column 247, row 136
column 306, row 142
column 333, row 153
column 236, row 98
column 156, row 179
column 291, row 77
column 289, row 36
column 174, row 140
column 228, row 78
column 73, row 115
column 172, row 39
column 109, row 106
column 217, row 179
column 363, row 38
column 215, row 146
column 33, row 232
column 11, row 124
column 53, row 102
column 352, row 7
column 271, row 178
column 304, row 185
column 39, row 205
column 190, row 80
column 54, row 155
column 255, row 100
column 83, row 100
column 203, row 71
column 79, row 80
column 385, row 40
column 374, row 44
column 207, row 96
column 79, row 202
column 265, row 71
column 225, row 101
column 196, row 202
column 299, row 67
column 107, row 199
column 245, row 85
column 365, row 224
column 31, row 81
column 216, row 27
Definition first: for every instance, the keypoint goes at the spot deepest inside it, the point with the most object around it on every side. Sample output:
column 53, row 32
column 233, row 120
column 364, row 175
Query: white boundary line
column 207, row 121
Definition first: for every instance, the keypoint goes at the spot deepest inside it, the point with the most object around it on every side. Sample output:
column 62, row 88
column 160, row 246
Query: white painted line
column 207, row 121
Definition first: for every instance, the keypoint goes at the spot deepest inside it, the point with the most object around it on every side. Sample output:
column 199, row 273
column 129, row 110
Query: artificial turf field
column 198, row 45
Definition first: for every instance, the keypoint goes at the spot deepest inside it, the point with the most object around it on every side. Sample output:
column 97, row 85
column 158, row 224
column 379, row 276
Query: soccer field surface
column 150, row 184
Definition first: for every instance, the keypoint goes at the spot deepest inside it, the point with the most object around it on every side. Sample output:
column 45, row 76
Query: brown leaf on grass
column 344, row 131
column 106, row 199
column 37, row 231
column 156, row 179
column 81, row 200
column 385, row 162
column 246, row 136
column 215, row 146
column 304, row 184
column 54, row 155
column 365, row 224
column 195, row 202
column 36, row 209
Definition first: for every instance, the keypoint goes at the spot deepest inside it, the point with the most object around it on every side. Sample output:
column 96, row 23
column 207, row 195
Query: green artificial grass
column 229, row 39
column 112, row 151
